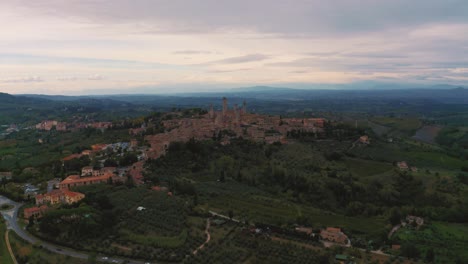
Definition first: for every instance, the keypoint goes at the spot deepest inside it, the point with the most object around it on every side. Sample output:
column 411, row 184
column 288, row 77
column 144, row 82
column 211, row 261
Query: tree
column 410, row 251
column 430, row 256
column 92, row 257
column 395, row 216
column 4, row 182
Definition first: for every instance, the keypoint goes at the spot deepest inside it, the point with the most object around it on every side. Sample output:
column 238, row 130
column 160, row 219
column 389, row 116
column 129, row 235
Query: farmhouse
column 402, row 165
column 364, row 140
column 36, row 212
column 76, row 180
column 59, row 197
column 333, row 234
column 6, row 174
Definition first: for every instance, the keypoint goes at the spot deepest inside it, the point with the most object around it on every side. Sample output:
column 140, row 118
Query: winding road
column 11, row 218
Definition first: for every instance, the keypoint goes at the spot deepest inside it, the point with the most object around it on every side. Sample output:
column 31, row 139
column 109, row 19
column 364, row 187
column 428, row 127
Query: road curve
column 11, row 217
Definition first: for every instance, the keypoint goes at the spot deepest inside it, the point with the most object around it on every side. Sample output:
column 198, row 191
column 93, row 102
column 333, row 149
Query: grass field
column 27, row 253
column 366, row 168
column 434, row 159
column 26, row 151
column 262, row 208
column 401, row 124
column 5, row 257
column 448, row 240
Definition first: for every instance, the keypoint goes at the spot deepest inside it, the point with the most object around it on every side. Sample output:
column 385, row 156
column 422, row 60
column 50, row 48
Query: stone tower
column 244, row 107
column 237, row 113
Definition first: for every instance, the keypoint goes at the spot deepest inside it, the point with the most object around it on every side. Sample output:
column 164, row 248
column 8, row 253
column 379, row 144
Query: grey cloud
column 377, row 55
column 242, row 59
column 299, row 18
column 227, row 71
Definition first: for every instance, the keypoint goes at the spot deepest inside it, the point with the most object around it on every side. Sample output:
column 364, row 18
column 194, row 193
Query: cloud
column 29, row 79
column 227, row 71
column 95, row 77
column 242, row 59
column 225, row 42
column 67, row 78
column 192, row 52
column 314, row 18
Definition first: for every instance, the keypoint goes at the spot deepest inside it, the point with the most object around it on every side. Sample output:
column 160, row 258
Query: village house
column 87, row 171
column 342, row 259
column 396, row 247
column 62, row 196
column 61, row 126
column 333, row 234
column 364, row 140
column 411, row 219
column 46, row 125
column 8, row 175
column 76, row 180
column 402, row 165
column 98, row 147
column 35, row 212
column 72, row 156
column 86, row 152
column 305, row 230
column 100, row 125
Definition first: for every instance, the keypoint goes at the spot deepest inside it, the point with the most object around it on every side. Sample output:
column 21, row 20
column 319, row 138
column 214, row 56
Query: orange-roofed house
column 76, row 180
column 70, row 197
column 364, row 139
column 59, row 196
column 396, row 247
column 159, row 188
column 86, row 152
column 334, row 235
column 72, row 156
column 402, row 165
column 36, row 212
column 98, row 147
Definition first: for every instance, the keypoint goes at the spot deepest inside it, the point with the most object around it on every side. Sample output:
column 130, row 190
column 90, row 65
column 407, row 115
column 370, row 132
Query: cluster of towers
column 228, row 115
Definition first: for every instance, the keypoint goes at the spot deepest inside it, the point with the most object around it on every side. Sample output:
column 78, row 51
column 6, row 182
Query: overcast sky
column 125, row 46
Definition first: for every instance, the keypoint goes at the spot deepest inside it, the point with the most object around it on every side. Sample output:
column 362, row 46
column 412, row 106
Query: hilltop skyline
column 106, row 47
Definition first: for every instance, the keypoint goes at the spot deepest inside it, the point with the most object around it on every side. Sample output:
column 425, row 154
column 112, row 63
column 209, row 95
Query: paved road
column 11, row 217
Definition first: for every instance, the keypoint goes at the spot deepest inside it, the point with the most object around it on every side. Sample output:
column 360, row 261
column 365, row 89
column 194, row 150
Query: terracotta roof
column 77, row 178
column 31, row 210
column 71, row 194
column 333, row 229
column 72, row 156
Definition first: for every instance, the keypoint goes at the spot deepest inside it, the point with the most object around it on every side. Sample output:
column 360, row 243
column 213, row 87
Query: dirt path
column 208, row 237
column 7, row 241
column 394, row 229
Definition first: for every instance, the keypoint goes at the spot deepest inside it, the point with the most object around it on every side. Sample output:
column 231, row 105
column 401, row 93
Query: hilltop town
column 227, row 124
